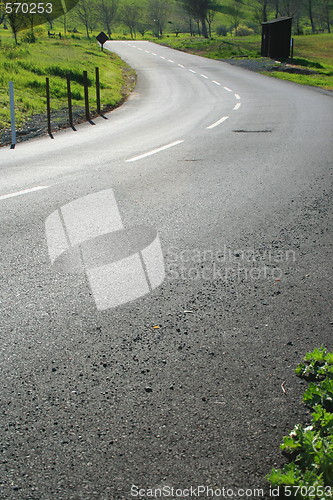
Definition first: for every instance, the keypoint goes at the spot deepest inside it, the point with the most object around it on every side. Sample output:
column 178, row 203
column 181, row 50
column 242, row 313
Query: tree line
column 185, row 16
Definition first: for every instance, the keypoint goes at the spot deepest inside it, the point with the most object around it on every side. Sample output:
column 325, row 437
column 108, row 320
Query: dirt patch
column 260, row 64
column 265, row 64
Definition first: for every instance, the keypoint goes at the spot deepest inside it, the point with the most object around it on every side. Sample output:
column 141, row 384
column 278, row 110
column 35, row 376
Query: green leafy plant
column 317, row 365
column 309, row 473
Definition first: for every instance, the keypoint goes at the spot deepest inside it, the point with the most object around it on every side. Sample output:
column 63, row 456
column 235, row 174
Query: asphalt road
column 233, row 170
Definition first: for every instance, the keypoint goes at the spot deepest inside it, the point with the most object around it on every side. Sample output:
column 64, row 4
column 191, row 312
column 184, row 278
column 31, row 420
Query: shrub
column 242, row 30
column 29, row 37
column 221, row 30
column 309, row 473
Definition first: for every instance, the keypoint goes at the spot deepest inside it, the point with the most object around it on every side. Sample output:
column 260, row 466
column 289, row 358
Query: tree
column 85, row 13
column 189, row 22
column 198, row 9
column 130, row 15
column 290, row 8
column 326, row 13
column 2, row 13
column 49, row 20
column 17, row 23
column 157, row 13
column 236, row 14
column 106, row 11
column 309, row 7
column 260, row 10
column 143, row 27
column 210, row 18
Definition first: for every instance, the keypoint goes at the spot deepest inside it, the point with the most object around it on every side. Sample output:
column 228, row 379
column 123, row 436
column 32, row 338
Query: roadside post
column 291, row 48
column 12, row 114
column 86, row 95
column 69, row 97
column 98, row 91
column 102, row 38
column 48, row 107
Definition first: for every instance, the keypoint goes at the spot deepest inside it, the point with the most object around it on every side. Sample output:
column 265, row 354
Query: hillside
column 28, row 64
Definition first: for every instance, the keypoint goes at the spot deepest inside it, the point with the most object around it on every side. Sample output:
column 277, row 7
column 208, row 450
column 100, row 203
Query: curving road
column 191, row 383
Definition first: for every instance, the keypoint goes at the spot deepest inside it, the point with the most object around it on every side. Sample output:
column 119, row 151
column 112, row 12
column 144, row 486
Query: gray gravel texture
column 37, row 125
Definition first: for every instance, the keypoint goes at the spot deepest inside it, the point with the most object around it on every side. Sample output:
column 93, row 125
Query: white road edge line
column 237, row 96
column 216, row 83
column 24, row 191
column 238, row 105
column 218, row 122
column 227, row 88
column 154, row 151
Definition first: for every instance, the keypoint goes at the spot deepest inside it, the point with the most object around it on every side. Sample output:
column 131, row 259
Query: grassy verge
column 309, row 473
column 217, row 48
column 28, row 64
column 323, row 80
column 311, row 52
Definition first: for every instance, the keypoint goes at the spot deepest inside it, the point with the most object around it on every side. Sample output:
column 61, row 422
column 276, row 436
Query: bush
column 309, row 473
column 254, row 26
column 29, row 37
column 242, row 30
column 221, row 30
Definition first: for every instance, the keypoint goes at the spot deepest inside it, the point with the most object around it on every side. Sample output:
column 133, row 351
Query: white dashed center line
column 237, row 106
column 218, row 122
column 24, row 191
column 154, row 151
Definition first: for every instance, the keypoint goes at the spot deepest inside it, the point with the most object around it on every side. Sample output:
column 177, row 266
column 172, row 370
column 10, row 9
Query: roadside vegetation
column 28, row 64
column 309, row 448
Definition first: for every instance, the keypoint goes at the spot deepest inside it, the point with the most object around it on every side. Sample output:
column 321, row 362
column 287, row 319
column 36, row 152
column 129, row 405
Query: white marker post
column 12, row 114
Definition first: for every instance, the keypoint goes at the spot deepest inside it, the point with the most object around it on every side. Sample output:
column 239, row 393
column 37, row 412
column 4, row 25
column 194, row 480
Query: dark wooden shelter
column 276, row 38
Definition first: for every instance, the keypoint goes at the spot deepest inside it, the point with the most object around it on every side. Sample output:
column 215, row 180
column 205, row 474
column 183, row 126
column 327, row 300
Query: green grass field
column 314, row 52
column 217, row 48
column 28, row 64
